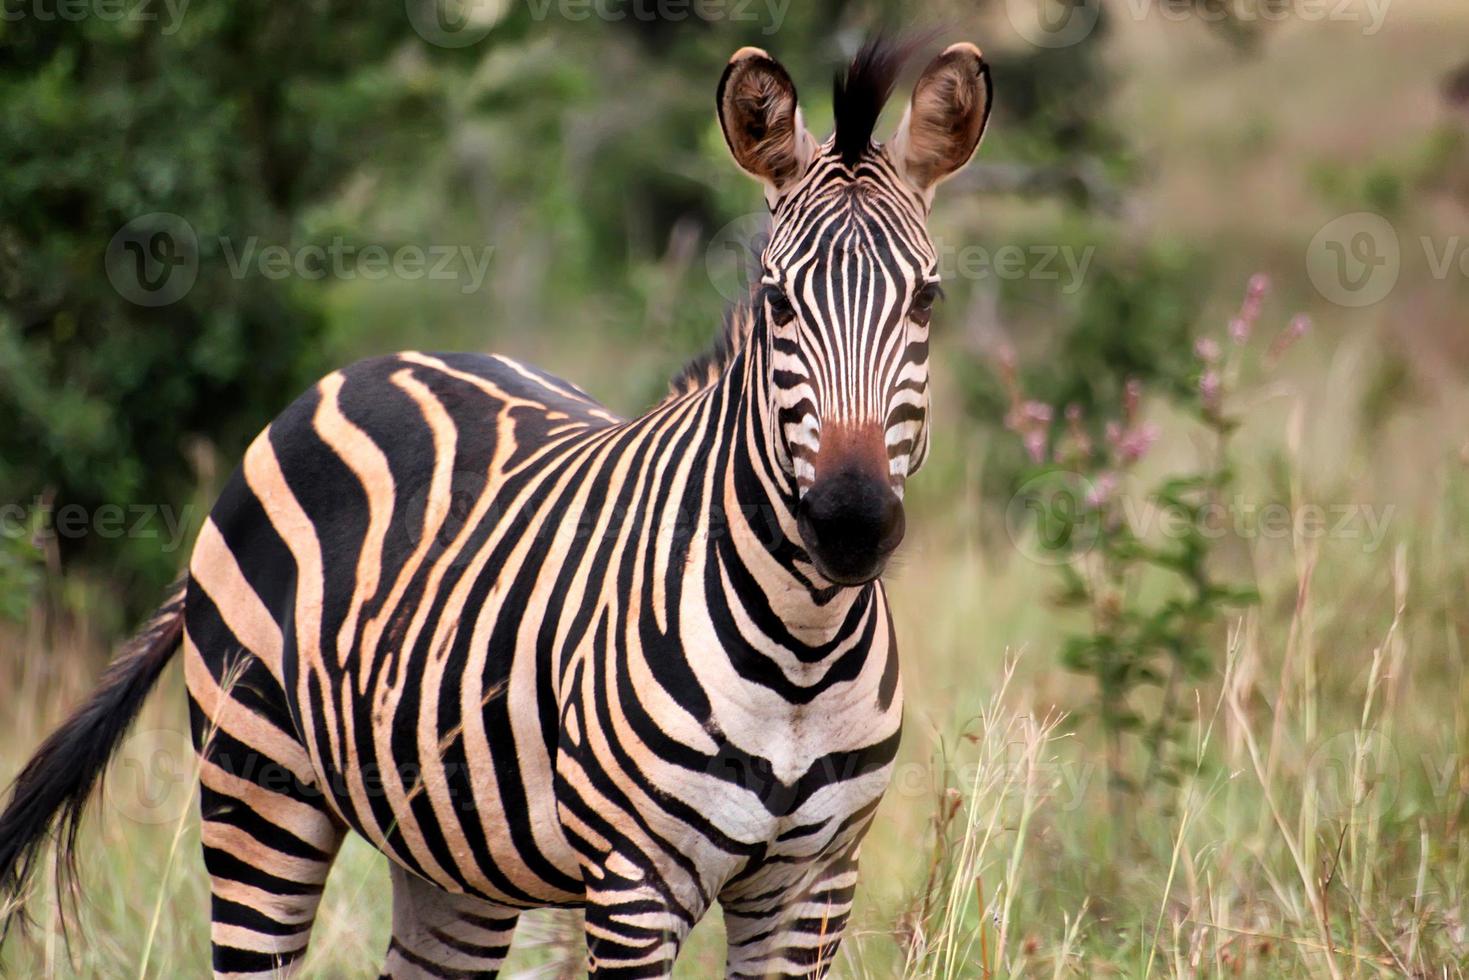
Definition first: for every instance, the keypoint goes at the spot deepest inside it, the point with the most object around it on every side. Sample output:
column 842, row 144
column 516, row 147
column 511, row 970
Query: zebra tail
column 50, row 795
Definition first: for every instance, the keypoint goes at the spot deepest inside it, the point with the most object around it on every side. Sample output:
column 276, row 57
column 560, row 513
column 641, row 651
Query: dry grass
column 1321, row 829
column 1319, row 833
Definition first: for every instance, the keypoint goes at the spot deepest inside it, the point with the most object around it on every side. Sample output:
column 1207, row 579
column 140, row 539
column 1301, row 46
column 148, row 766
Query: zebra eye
column 781, row 310
column 922, row 308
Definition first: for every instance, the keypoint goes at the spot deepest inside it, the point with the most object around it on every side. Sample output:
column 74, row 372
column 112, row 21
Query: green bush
column 236, row 119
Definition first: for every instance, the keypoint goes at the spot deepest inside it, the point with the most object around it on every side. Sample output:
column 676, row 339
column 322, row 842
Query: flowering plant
column 1153, row 600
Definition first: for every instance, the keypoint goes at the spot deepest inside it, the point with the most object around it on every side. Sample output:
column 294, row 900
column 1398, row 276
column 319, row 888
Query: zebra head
column 848, row 281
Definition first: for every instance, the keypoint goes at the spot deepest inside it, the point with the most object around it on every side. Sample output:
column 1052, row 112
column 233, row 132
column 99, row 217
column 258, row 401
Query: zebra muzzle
column 850, row 523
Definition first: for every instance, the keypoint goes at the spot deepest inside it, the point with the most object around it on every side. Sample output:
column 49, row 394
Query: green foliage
column 582, row 152
column 1129, row 320
column 237, row 121
column 1163, row 642
column 1142, row 566
column 21, row 561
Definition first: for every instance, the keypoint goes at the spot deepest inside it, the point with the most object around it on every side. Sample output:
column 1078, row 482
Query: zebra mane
column 705, row 369
column 857, row 99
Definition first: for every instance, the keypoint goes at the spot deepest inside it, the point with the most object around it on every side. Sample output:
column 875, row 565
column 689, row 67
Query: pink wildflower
column 1207, row 349
column 1035, row 445
column 1210, row 388
column 1101, row 489
column 1081, row 442
column 1299, row 326
column 1135, row 442
column 1249, row 311
column 1038, row 412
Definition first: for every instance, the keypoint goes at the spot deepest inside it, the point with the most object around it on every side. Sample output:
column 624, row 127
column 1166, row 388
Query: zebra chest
column 803, row 765
column 784, row 750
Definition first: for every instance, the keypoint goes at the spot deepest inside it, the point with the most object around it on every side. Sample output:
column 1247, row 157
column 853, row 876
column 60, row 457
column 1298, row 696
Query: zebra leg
column 269, row 838
column 634, row 928
column 440, row 934
column 791, row 933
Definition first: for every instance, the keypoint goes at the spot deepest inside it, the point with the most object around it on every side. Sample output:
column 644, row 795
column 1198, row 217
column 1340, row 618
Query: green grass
column 1320, row 833
column 1321, row 829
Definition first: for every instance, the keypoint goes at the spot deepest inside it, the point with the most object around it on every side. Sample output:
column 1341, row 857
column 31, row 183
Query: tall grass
column 1318, row 829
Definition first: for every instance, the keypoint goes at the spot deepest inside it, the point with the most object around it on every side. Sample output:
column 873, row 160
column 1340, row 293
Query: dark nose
column 850, row 523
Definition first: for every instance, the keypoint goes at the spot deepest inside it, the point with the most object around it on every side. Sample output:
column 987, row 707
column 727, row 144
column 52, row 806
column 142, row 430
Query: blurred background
column 1182, row 604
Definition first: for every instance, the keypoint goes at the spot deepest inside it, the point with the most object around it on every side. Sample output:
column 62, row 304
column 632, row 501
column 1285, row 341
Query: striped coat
column 542, row 656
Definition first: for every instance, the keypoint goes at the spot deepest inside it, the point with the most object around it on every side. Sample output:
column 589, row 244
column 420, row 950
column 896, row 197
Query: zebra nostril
column 893, row 525
column 850, row 523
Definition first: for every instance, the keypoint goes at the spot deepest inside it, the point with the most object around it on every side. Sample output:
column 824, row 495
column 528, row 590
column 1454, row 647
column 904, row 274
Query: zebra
column 542, row 656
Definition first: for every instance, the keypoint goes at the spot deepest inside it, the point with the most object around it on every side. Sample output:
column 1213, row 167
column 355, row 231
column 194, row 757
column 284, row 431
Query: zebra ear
column 762, row 122
column 945, row 119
